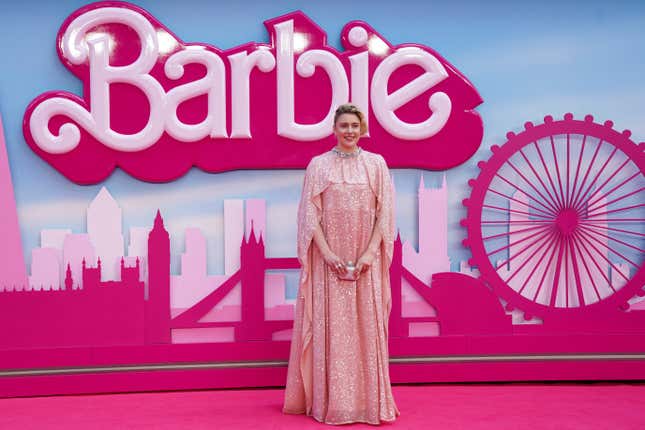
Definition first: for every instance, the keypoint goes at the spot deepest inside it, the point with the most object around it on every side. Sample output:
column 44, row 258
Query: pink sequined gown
column 338, row 367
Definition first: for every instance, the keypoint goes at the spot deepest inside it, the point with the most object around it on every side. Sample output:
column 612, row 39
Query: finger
column 359, row 268
column 365, row 268
column 332, row 266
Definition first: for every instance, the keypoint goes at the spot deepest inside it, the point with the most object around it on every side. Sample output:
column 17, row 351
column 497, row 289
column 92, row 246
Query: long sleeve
column 298, row 395
column 309, row 214
column 385, row 217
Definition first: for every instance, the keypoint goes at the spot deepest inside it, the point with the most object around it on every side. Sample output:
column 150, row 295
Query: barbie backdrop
column 150, row 176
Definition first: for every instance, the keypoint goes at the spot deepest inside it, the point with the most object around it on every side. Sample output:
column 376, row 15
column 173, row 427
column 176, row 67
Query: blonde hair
column 354, row 110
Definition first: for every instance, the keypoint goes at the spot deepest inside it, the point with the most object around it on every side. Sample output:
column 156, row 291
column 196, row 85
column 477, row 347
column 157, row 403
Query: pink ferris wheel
column 556, row 218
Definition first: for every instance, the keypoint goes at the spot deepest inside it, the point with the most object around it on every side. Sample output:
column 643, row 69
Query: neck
column 346, row 150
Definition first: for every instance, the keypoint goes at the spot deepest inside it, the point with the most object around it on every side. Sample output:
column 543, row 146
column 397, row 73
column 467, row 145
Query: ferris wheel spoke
column 508, row 233
column 566, row 199
column 612, row 220
column 545, row 240
column 575, row 181
column 550, row 214
column 549, row 200
column 507, row 210
column 546, row 270
column 544, row 187
column 595, row 179
column 609, row 248
column 574, row 241
column 617, row 199
column 593, row 231
column 618, row 230
column 566, row 273
column 558, row 267
column 604, row 257
column 517, row 241
column 591, row 202
column 557, row 171
column 548, row 175
column 552, row 244
column 527, row 247
column 549, row 208
column 523, row 222
column 576, row 273
column 594, row 260
column 584, row 179
column 626, row 208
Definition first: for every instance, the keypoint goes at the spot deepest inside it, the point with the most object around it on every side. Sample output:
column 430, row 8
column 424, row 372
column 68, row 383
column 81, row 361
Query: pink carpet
column 615, row 406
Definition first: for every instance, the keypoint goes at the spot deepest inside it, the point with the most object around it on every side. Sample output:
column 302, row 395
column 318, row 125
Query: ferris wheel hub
column 567, row 221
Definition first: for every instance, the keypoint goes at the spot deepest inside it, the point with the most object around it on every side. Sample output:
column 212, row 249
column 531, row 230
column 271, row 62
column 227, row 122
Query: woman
column 338, row 367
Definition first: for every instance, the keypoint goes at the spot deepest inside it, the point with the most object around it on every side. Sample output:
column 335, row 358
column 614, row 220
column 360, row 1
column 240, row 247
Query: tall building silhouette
column 54, row 239
column 104, row 225
column 432, row 256
column 45, row 269
column 104, row 239
column 157, row 307
column 13, row 272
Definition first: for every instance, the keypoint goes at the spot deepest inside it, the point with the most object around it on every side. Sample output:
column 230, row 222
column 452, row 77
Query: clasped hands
column 339, row 267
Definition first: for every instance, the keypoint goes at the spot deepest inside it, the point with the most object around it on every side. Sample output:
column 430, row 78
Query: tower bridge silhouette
column 253, row 325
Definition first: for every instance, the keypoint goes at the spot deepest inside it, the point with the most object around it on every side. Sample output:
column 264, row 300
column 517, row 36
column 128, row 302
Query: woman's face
column 347, row 130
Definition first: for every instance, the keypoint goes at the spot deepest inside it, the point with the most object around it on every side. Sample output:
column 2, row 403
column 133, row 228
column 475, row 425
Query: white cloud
column 190, row 194
column 36, row 214
column 41, row 213
column 210, row 225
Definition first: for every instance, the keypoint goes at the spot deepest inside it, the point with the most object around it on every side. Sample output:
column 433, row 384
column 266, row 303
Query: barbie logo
column 155, row 106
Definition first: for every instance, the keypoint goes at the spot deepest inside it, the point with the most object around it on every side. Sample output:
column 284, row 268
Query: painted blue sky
column 527, row 59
